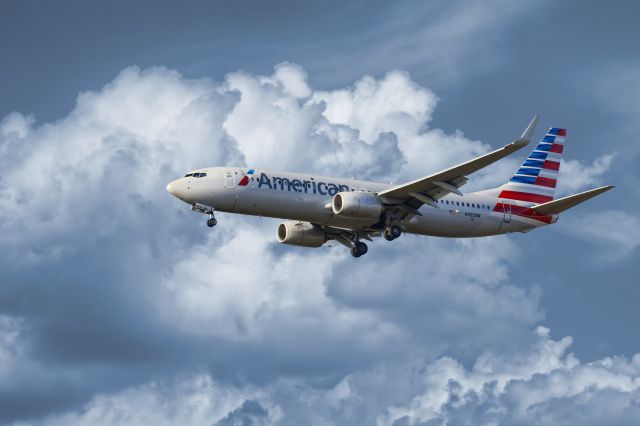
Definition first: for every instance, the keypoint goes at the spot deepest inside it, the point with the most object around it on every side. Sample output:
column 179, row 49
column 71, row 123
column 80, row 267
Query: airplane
column 318, row 209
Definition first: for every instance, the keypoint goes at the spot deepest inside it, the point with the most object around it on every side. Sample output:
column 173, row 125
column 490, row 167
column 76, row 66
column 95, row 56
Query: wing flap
column 565, row 203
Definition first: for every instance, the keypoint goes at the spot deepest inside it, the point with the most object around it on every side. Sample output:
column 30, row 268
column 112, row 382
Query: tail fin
column 535, row 181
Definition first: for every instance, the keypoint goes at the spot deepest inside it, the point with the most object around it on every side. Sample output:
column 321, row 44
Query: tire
column 354, row 252
column 211, row 222
column 395, row 231
column 387, row 236
column 361, row 248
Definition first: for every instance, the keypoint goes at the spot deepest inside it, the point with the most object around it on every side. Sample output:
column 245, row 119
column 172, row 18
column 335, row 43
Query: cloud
column 544, row 385
column 539, row 383
column 192, row 400
column 440, row 41
column 575, row 176
column 119, row 306
column 614, row 233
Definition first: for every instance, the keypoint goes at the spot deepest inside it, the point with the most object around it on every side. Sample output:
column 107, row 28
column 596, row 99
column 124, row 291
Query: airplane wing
column 429, row 189
column 562, row 204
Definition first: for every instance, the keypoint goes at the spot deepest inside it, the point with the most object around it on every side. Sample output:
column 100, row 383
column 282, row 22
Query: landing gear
column 392, row 232
column 359, row 248
column 211, row 222
column 352, row 241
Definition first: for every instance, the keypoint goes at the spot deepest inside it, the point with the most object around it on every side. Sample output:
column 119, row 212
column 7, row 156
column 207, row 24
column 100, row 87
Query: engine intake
column 357, row 204
column 302, row 234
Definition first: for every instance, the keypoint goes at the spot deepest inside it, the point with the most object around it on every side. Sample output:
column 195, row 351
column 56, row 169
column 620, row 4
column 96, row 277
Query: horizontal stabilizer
column 562, row 204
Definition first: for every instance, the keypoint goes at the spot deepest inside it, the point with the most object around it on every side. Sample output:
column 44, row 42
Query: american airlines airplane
column 320, row 208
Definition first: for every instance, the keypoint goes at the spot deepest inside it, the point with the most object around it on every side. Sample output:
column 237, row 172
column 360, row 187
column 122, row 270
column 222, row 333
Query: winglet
column 528, row 133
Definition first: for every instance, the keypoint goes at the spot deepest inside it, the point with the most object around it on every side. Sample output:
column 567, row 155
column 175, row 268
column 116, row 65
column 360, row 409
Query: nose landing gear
column 211, row 222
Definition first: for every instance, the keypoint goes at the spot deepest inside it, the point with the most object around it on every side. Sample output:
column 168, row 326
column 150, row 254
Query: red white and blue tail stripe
column 535, row 181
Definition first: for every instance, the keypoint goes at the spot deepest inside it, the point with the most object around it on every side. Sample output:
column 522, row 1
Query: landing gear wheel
column 211, row 222
column 362, row 248
column 392, row 232
column 359, row 249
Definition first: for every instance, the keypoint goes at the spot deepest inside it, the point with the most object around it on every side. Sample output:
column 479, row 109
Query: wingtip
column 602, row 189
column 528, row 133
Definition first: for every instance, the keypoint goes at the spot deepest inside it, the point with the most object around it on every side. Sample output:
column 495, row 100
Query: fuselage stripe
column 525, row 196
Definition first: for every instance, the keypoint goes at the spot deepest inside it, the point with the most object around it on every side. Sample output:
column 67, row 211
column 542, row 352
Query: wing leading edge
column 429, row 189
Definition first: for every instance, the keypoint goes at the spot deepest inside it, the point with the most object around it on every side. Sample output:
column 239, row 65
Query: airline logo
column 245, row 178
column 535, row 181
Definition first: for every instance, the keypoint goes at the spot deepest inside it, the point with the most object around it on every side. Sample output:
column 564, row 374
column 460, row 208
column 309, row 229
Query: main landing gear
column 392, row 232
column 352, row 241
column 211, row 222
column 358, row 249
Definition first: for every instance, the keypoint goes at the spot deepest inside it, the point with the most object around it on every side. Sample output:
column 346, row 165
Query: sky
column 119, row 306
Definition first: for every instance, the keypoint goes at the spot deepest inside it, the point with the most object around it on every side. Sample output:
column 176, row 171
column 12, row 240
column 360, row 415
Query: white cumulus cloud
column 120, row 293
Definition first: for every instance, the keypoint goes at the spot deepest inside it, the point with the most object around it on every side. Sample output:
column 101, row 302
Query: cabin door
column 229, row 179
column 506, row 210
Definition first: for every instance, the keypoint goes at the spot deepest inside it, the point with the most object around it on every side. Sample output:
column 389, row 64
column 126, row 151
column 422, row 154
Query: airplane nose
column 181, row 189
column 171, row 188
column 177, row 189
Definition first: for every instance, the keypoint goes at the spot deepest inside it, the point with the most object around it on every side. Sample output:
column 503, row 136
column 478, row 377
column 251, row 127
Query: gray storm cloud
column 117, row 306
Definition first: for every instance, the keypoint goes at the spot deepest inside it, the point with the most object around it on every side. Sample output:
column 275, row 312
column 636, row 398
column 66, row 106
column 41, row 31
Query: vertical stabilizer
column 535, row 181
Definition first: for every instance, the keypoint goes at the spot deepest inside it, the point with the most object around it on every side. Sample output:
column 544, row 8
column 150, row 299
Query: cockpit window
column 188, row 175
column 195, row 175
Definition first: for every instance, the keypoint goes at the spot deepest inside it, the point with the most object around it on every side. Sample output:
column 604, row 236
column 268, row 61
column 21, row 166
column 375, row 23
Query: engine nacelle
column 301, row 234
column 357, row 204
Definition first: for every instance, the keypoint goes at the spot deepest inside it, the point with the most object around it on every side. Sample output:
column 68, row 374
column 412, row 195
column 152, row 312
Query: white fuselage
column 304, row 197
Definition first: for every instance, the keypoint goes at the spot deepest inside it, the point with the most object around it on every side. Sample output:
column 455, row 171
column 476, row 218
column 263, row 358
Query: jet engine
column 302, row 234
column 357, row 204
